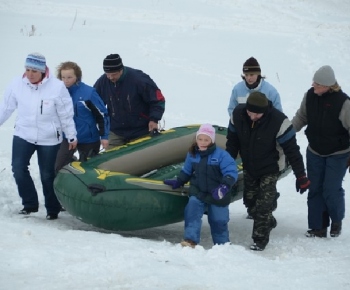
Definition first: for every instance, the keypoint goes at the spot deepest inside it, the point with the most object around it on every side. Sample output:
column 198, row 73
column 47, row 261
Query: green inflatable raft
column 122, row 189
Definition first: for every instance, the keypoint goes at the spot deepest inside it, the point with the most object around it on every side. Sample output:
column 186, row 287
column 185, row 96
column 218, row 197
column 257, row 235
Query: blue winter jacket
column 132, row 102
column 206, row 171
column 240, row 93
column 90, row 114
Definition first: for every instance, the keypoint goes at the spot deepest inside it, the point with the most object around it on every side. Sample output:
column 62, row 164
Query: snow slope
column 194, row 50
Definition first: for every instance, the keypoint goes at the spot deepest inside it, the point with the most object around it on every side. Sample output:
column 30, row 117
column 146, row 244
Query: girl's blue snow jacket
column 90, row 114
column 206, row 171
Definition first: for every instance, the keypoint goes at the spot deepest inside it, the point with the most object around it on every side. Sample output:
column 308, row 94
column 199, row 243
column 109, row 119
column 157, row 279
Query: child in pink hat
column 212, row 172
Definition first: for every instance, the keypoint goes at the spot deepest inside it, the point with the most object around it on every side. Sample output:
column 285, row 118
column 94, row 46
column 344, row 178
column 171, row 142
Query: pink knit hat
column 208, row 130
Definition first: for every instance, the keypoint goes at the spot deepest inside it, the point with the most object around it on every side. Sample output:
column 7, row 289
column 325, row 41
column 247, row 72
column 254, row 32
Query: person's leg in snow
column 264, row 221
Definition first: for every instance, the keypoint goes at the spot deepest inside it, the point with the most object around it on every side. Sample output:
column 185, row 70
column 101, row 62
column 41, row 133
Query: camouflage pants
column 259, row 197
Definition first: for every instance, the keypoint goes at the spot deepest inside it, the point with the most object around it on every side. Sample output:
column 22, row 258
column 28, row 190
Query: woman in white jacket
column 45, row 110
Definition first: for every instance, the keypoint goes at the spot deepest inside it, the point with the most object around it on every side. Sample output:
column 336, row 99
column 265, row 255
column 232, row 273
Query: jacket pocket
column 48, row 107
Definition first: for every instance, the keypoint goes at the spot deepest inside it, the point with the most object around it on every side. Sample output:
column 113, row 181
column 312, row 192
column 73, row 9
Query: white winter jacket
column 44, row 110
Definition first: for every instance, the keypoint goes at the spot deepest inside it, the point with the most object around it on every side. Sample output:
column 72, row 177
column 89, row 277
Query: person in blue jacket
column 90, row 116
column 253, row 81
column 212, row 172
column 135, row 103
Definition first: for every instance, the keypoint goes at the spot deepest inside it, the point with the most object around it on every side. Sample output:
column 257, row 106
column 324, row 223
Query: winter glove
column 219, row 192
column 302, row 184
column 154, row 132
column 174, row 183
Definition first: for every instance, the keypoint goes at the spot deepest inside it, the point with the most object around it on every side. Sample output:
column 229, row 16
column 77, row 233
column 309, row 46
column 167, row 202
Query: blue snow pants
column 218, row 218
column 326, row 195
column 22, row 152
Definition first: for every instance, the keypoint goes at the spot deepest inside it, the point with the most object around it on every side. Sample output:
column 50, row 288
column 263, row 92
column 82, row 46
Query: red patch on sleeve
column 159, row 96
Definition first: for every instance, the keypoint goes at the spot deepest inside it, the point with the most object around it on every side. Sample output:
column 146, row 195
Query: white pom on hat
column 325, row 76
column 207, row 129
column 36, row 61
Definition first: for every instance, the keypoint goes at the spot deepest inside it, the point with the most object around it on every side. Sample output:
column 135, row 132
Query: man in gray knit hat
column 325, row 110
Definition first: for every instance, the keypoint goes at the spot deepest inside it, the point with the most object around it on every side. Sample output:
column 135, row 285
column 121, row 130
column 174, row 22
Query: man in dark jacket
column 135, row 104
column 256, row 132
column 325, row 110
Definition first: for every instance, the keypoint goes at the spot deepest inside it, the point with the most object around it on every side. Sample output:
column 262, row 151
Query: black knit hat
column 112, row 63
column 257, row 103
column 251, row 66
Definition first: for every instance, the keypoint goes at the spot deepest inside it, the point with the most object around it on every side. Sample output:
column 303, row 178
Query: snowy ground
column 194, row 50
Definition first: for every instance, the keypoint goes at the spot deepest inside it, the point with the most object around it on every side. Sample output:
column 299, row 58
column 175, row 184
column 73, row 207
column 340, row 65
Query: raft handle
column 96, row 188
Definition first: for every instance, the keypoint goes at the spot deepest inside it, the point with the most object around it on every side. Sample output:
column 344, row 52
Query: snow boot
column 52, row 216
column 28, row 210
column 257, row 247
column 188, row 243
column 335, row 229
column 321, row 233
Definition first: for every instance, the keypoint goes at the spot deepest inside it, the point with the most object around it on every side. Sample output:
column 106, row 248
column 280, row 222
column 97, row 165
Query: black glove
column 302, row 184
column 154, row 133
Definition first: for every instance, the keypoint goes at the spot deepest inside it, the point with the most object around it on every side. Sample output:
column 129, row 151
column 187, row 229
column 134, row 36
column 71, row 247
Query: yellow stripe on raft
column 157, row 185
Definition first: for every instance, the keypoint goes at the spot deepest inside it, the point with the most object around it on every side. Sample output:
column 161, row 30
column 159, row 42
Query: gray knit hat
column 325, row 76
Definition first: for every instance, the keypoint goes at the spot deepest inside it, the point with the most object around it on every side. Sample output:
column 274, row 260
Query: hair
column 193, row 148
column 335, row 88
column 69, row 65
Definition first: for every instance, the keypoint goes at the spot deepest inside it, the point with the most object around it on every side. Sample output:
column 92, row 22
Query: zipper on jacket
column 128, row 99
column 110, row 100
column 41, row 107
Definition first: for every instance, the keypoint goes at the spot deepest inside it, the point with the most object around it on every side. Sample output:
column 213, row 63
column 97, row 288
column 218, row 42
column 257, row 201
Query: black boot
column 28, row 210
column 260, row 244
column 52, row 216
column 335, row 229
column 321, row 233
column 257, row 247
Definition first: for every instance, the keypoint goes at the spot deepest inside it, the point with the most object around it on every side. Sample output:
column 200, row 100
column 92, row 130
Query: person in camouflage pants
column 259, row 197
column 257, row 131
